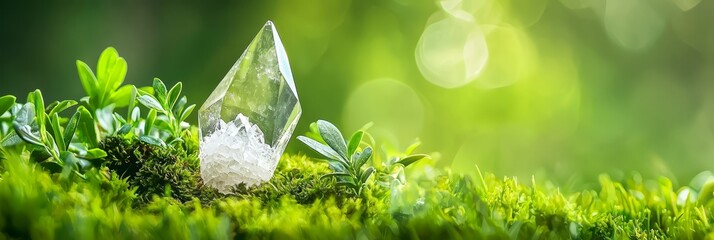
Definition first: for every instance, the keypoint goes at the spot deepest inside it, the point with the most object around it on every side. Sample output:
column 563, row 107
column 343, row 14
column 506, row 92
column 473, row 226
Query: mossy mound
column 156, row 171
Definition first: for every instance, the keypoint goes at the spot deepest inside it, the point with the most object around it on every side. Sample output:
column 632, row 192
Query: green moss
column 298, row 204
column 297, row 177
column 156, row 171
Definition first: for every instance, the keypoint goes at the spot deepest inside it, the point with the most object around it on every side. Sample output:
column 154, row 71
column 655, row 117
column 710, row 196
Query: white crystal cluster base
column 236, row 153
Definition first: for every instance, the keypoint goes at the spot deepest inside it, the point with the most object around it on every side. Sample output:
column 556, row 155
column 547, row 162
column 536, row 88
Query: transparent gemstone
column 246, row 123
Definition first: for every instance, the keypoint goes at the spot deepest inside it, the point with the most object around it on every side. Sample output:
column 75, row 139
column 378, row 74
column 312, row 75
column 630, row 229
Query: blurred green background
column 562, row 88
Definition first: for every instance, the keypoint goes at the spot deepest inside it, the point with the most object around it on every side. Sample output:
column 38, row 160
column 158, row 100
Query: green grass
column 297, row 203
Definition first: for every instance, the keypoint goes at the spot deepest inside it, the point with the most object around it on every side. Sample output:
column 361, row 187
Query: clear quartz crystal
column 246, row 123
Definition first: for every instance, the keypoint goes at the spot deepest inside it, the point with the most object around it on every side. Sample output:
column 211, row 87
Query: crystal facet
column 246, row 123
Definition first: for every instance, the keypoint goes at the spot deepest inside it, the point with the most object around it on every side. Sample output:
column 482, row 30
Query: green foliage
column 347, row 169
column 50, row 142
column 391, row 168
column 70, row 145
column 172, row 107
column 164, row 122
column 347, row 159
column 103, row 89
column 6, row 102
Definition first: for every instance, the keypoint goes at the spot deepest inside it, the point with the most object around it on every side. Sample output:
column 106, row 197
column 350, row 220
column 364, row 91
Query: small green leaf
column 401, row 175
column 57, row 132
column 132, row 102
column 149, row 123
column 26, row 114
column 119, row 119
column 363, row 157
column 411, row 159
column 6, row 103
column 160, row 89
column 71, row 128
column 15, row 108
column 39, row 103
column 26, row 134
column 333, row 137
column 51, row 166
column 89, row 81
column 135, row 114
column 106, row 60
column 122, row 96
column 173, row 95
column 94, row 153
column 148, row 90
column 51, row 106
column 124, row 129
column 349, row 183
column 11, row 139
column 104, row 118
column 152, row 140
column 337, row 166
column 110, row 79
column 366, row 126
column 320, row 148
column 61, row 106
column 70, row 164
column 187, row 112
column 314, row 133
column 39, row 155
column 355, row 140
column 180, row 104
column 366, row 174
column 175, row 141
column 706, row 193
column 151, row 102
column 51, row 146
column 411, row 148
column 117, row 75
column 87, row 128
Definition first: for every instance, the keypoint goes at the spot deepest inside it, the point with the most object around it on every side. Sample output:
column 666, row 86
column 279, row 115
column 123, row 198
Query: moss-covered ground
column 148, row 191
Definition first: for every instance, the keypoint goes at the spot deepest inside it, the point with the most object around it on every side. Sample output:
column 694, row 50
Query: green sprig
column 347, row 163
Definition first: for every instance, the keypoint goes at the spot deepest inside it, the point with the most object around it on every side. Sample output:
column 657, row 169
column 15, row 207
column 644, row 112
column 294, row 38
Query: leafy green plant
column 167, row 111
column 105, row 88
column 391, row 168
column 345, row 159
column 105, row 93
column 50, row 143
column 72, row 144
column 6, row 104
column 164, row 121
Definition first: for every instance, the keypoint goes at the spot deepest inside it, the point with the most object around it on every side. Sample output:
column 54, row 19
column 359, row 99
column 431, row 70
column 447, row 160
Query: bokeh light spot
column 451, row 54
column 686, row 5
column 633, row 24
column 394, row 107
column 480, row 11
